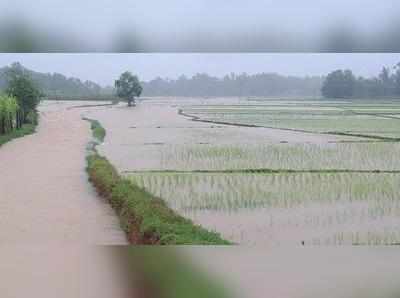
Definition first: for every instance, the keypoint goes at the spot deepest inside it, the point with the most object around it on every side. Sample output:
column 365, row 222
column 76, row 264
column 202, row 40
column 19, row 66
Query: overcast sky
column 99, row 17
column 105, row 68
column 170, row 23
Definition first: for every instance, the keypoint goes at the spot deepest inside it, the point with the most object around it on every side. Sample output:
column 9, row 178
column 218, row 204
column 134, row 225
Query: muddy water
column 135, row 141
column 51, row 220
column 45, row 196
column 351, row 272
column 344, row 223
column 135, row 136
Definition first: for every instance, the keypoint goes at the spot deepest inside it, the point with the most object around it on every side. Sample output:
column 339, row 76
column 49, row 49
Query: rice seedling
column 347, row 190
column 317, row 117
column 309, row 208
column 343, row 156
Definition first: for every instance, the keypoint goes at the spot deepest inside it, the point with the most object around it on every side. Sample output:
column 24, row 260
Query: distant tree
column 27, row 94
column 397, row 79
column 384, row 76
column 262, row 85
column 386, row 83
column 339, row 84
column 55, row 84
column 128, row 87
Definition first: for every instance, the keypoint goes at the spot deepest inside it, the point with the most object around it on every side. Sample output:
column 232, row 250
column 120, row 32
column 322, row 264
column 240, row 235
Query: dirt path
column 50, row 217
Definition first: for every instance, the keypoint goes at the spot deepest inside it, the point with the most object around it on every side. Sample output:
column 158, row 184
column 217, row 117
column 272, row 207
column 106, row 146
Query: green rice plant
column 197, row 191
column 357, row 118
column 341, row 156
column 323, row 208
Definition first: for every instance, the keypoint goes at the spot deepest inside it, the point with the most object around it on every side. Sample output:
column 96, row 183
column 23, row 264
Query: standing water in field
column 344, row 190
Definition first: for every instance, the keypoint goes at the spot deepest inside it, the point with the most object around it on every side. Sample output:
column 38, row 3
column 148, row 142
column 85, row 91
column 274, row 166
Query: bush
column 8, row 114
column 26, row 129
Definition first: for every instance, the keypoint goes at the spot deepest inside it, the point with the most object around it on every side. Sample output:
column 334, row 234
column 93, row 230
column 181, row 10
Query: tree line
column 19, row 102
column 263, row 84
column 337, row 84
column 56, row 84
column 344, row 84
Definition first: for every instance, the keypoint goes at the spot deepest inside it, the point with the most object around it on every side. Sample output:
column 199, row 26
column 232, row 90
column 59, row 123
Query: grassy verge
column 145, row 218
column 98, row 131
column 26, row 129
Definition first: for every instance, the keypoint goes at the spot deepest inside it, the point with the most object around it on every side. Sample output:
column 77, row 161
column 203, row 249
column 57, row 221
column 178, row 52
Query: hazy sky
column 199, row 26
column 105, row 68
column 99, row 20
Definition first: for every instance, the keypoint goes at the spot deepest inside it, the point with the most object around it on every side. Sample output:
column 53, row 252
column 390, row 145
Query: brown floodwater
column 45, row 194
column 52, row 223
column 136, row 138
column 308, row 272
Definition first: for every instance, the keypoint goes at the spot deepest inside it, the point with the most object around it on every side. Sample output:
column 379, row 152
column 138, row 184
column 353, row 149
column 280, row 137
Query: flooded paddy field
column 271, row 185
column 352, row 118
column 378, row 156
column 291, row 209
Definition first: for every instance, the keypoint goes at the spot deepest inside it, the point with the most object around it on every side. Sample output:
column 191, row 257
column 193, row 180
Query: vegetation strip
column 362, row 136
column 145, row 218
column 18, row 115
column 267, row 171
column 377, row 115
column 99, row 133
column 92, row 106
column 26, row 129
column 361, row 141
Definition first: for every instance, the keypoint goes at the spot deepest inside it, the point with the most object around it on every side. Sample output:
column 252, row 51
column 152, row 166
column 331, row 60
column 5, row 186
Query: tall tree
column 385, row 82
column 339, row 84
column 397, row 79
column 27, row 94
column 128, row 87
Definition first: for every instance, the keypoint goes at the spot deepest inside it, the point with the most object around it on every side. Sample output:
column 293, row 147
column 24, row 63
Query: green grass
column 25, row 130
column 145, row 218
column 99, row 133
